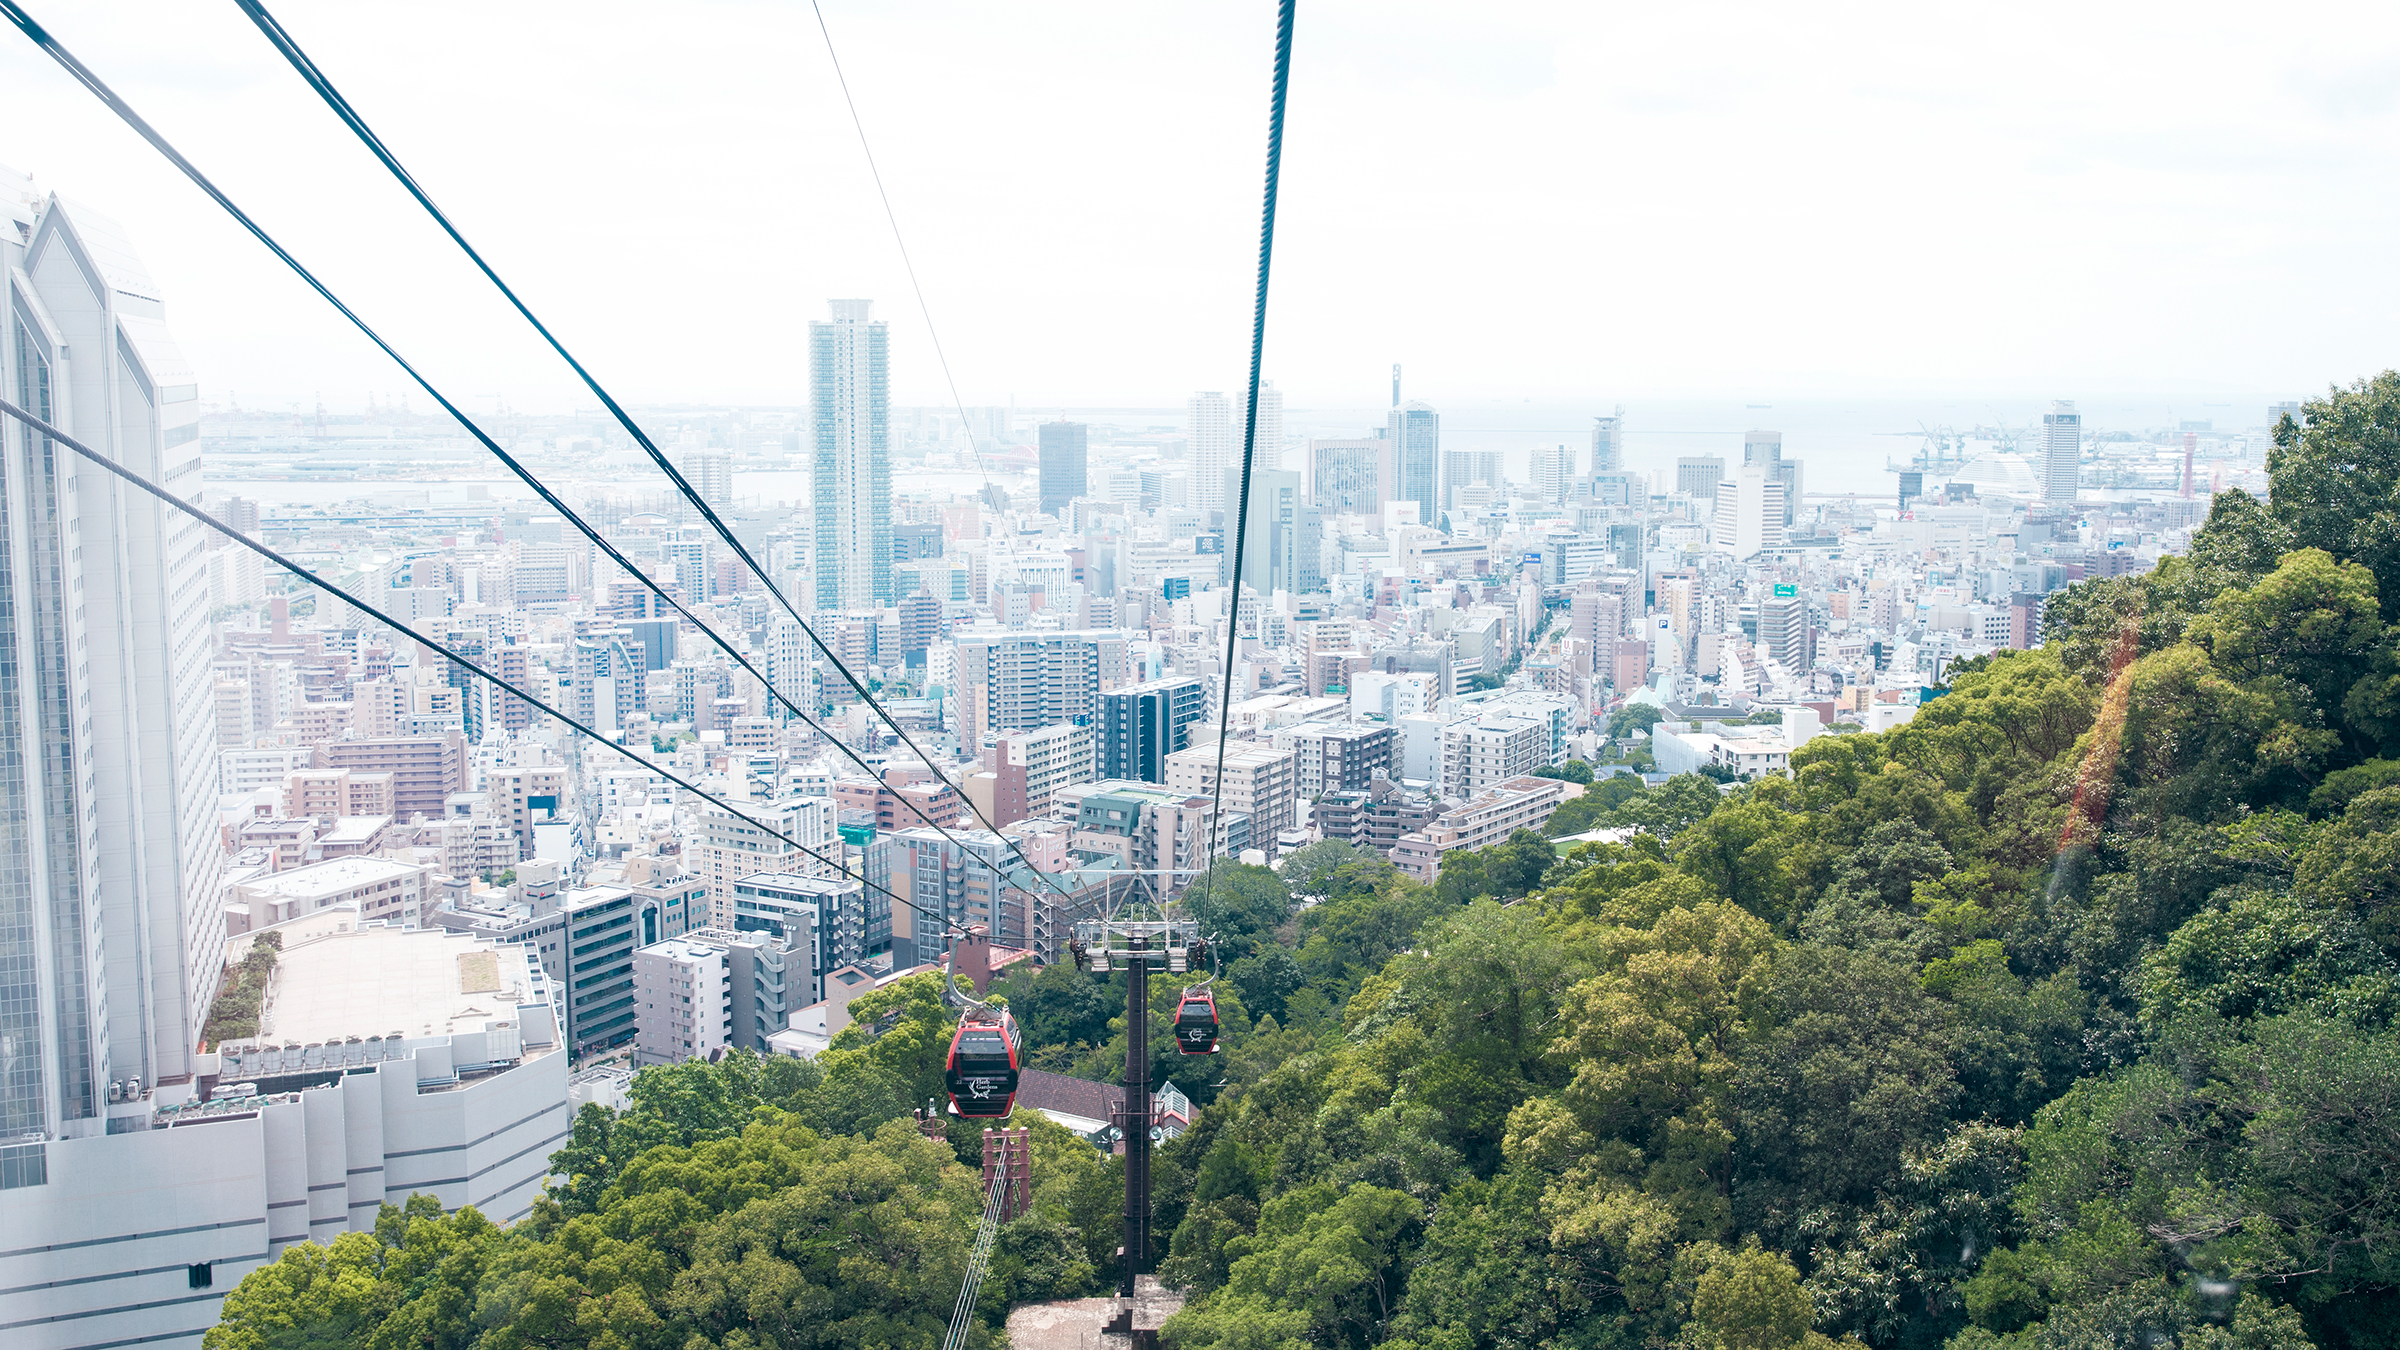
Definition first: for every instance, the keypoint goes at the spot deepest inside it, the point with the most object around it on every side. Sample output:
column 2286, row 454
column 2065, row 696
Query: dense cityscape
column 1762, row 719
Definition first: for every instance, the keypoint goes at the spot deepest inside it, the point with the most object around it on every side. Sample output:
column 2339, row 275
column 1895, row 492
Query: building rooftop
column 337, row 874
column 336, row 979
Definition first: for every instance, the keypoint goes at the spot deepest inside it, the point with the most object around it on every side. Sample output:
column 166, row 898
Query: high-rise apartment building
column 710, row 472
column 1346, row 476
column 1783, row 629
column 1066, row 464
column 728, row 848
column 1261, row 782
column 1141, row 726
column 1270, row 426
column 849, row 362
column 1415, row 431
column 2062, row 451
column 1021, row 681
column 1027, row 768
column 1550, row 467
column 1608, row 444
column 111, row 925
column 1210, row 418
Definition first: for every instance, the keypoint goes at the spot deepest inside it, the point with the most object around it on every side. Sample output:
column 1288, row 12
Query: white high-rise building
column 1608, row 443
column 2062, row 451
column 1551, row 468
column 1210, row 417
column 1270, row 426
column 850, row 399
column 112, row 930
column 1750, row 512
column 710, row 473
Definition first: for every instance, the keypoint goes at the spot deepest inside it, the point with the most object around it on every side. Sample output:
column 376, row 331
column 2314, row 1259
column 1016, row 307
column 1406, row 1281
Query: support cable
column 316, row 79
column 84, row 76
column 1258, row 346
column 979, row 1261
column 37, row 425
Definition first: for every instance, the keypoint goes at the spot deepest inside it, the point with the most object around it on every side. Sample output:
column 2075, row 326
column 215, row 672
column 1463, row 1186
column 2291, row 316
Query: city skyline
column 403, row 804
column 1957, row 165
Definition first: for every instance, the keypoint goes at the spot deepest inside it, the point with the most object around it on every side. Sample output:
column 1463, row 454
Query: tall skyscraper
column 1210, row 417
column 1608, row 444
column 112, row 930
column 1270, row 426
column 1066, row 464
column 1765, row 450
column 1415, row 431
column 2062, row 451
column 849, row 369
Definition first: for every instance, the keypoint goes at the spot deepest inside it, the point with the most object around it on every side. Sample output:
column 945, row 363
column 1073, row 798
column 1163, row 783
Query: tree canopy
column 2061, row 1016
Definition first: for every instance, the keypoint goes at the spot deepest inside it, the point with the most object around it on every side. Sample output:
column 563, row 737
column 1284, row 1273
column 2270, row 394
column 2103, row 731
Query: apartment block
column 425, row 770
column 1488, row 818
column 1261, row 782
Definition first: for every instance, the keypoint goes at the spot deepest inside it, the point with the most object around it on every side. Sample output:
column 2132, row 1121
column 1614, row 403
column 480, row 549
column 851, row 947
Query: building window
column 202, row 1275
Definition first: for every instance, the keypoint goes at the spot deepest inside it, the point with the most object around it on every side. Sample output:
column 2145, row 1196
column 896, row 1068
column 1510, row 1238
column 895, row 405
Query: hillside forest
column 2060, row 1017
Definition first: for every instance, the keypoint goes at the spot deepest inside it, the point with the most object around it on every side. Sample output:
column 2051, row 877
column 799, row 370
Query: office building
column 111, row 934
column 1284, row 535
column 1210, row 418
column 1415, row 431
column 1346, row 476
column 1750, row 514
column 1141, row 726
column 849, row 368
column 1764, row 449
column 1698, row 475
column 2062, row 452
column 1065, row 464
column 1608, row 444
column 389, row 1064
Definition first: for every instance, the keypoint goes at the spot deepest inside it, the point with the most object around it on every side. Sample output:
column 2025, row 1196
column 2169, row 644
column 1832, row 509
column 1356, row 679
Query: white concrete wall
column 102, row 1253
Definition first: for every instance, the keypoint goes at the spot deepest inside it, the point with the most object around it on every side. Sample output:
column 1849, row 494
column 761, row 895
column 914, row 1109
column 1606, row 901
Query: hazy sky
column 1603, row 201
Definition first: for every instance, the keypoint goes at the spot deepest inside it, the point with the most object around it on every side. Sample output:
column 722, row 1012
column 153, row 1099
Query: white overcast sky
column 1575, row 200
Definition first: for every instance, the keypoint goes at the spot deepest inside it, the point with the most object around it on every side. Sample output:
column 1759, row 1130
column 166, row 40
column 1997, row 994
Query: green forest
column 2061, row 1016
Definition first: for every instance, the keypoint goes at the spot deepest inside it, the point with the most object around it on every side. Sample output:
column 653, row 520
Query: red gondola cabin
column 981, row 1074
column 1196, row 1023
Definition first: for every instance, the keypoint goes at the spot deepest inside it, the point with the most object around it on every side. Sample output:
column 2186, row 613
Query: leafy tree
column 2332, row 479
